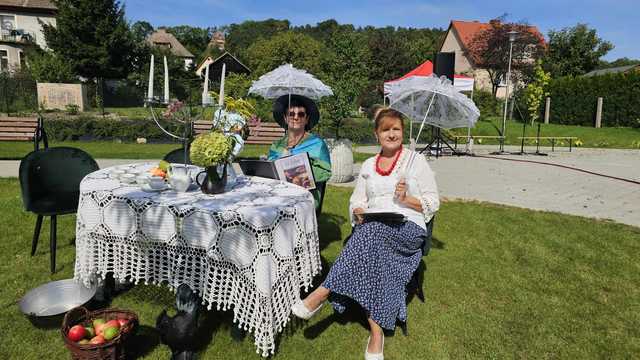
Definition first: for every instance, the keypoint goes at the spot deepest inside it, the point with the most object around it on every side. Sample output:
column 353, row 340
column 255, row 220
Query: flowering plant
column 211, row 149
column 177, row 110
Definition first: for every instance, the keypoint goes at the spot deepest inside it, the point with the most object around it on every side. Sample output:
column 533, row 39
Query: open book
column 295, row 169
column 384, row 217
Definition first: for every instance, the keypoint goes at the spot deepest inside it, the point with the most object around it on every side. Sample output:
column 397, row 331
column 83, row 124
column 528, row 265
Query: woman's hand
column 357, row 213
column 401, row 190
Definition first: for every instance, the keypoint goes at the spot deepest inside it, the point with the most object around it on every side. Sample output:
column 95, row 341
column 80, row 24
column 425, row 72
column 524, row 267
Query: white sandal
column 376, row 356
column 302, row 312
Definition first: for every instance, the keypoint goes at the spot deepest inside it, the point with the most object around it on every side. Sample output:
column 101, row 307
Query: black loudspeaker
column 445, row 64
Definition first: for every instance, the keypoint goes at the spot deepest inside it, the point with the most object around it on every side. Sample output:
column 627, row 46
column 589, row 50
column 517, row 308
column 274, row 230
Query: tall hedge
column 574, row 100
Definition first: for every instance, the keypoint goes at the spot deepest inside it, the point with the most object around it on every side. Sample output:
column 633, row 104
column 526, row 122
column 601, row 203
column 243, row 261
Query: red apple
column 123, row 322
column 97, row 325
column 97, row 340
column 99, row 328
column 76, row 333
column 111, row 323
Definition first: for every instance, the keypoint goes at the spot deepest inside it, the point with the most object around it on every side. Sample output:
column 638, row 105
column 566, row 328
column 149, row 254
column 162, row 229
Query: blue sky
column 615, row 20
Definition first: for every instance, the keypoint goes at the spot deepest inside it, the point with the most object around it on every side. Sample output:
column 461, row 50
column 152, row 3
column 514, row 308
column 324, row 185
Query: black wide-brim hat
column 281, row 106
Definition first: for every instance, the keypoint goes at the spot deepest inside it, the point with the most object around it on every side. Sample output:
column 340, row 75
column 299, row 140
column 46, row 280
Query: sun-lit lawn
column 112, row 150
column 501, row 283
column 621, row 138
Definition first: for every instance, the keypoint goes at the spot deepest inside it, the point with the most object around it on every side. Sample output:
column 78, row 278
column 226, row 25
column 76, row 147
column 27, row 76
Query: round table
column 249, row 249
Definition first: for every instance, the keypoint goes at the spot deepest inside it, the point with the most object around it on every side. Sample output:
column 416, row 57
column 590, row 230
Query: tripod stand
column 440, row 142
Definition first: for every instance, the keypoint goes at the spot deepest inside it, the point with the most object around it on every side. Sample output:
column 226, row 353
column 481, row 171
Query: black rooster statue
column 179, row 332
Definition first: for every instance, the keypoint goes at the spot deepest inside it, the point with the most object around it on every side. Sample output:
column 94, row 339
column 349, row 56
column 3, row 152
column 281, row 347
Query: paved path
column 544, row 187
column 524, row 184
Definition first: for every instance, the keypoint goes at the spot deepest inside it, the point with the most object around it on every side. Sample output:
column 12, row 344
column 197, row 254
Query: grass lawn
column 621, row 138
column 112, row 150
column 501, row 283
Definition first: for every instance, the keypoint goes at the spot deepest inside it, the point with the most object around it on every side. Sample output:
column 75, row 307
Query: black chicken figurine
column 179, row 332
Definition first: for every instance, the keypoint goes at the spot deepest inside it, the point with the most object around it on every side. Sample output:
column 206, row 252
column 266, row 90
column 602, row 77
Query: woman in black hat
column 298, row 115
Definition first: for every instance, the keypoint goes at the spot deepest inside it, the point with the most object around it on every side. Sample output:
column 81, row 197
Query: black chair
column 50, row 184
column 320, row 188
column 177, row 156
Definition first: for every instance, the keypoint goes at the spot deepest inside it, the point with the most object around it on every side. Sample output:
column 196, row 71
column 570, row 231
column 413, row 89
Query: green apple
column 110, row 332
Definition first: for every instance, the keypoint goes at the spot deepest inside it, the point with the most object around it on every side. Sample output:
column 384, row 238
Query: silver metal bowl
column 55, row 298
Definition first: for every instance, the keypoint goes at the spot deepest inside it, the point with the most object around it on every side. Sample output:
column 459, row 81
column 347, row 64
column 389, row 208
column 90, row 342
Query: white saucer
column 147, row 188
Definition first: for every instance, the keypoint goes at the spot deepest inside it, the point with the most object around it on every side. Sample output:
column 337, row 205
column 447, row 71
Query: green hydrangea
column 210, row 149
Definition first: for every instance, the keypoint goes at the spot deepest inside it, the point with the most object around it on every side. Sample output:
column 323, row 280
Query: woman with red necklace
column 378, row 261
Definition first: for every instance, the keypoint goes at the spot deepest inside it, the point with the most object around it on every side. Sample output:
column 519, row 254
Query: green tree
column 92, row 36
column 141, row 30
column 536, row 90
column 623, row 61
column 289, row 47
column 46, row 66
column 195, row 39
column 575, row 51
column 241, row 36
column 346, row 69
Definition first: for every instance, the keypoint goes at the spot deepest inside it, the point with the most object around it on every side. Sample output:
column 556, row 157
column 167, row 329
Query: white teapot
column 179, row 177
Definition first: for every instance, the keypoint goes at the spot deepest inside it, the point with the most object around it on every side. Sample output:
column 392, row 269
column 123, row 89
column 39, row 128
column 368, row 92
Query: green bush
column 17, row 92
column 97, row 128
column 487, row 104
column 72, row 109
column 574, row 100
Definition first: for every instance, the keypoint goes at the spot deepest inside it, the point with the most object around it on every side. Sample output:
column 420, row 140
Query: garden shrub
column 574, row 100
column 97, row 128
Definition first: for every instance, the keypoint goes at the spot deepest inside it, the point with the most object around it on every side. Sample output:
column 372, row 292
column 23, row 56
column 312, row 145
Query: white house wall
column 29, row 23
column 452, row 44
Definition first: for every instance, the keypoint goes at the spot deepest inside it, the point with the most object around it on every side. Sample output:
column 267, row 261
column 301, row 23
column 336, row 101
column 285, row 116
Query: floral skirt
column 374, row 269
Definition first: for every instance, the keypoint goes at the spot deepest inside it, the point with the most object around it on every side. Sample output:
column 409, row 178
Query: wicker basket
column 112, row 350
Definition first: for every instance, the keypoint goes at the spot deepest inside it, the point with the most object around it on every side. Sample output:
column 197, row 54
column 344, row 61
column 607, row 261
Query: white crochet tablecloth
column 249, row 249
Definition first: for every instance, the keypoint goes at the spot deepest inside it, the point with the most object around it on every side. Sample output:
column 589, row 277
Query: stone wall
column 58, row 96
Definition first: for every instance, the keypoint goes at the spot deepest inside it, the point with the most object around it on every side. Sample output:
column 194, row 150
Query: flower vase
column 213, row 182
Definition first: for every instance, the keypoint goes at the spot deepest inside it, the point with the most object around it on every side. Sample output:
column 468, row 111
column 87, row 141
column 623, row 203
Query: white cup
column 142, row 179
column 127, row 178
column 116, row 173
column 156, row 182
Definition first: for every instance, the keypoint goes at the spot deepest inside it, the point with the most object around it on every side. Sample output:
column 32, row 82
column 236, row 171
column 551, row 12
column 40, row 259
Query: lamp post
column 512, row 37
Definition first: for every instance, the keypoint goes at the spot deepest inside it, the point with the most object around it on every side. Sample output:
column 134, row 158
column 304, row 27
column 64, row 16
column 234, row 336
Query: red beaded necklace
column 393, row 165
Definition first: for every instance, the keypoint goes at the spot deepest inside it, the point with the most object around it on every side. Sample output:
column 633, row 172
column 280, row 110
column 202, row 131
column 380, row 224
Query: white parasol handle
column 425, row 116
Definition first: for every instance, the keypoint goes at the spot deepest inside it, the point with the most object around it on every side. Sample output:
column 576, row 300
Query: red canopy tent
column 460, row 82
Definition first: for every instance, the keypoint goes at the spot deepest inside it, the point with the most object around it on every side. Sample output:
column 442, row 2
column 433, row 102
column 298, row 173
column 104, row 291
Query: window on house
column 4, row 60
column 7, row 22
column 22, row 59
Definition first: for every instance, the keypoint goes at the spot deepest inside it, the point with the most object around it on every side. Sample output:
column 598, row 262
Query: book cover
column 296, row 169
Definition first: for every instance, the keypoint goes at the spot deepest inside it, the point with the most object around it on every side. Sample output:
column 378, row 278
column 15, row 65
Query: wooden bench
column 550, row 138
column 23, row 129
column 456, row 137
column 264, row 134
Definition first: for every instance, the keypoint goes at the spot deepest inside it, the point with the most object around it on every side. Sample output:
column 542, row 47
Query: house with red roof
column 458, row 39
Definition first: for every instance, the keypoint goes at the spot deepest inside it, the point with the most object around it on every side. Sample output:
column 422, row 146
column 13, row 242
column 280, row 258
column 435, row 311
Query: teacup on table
column 156, row 182
column 117, row 173
column 128, row 178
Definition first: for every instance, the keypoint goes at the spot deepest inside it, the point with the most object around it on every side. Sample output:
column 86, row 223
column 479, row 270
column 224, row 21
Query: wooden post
column 599, row 113
column 547, row 108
